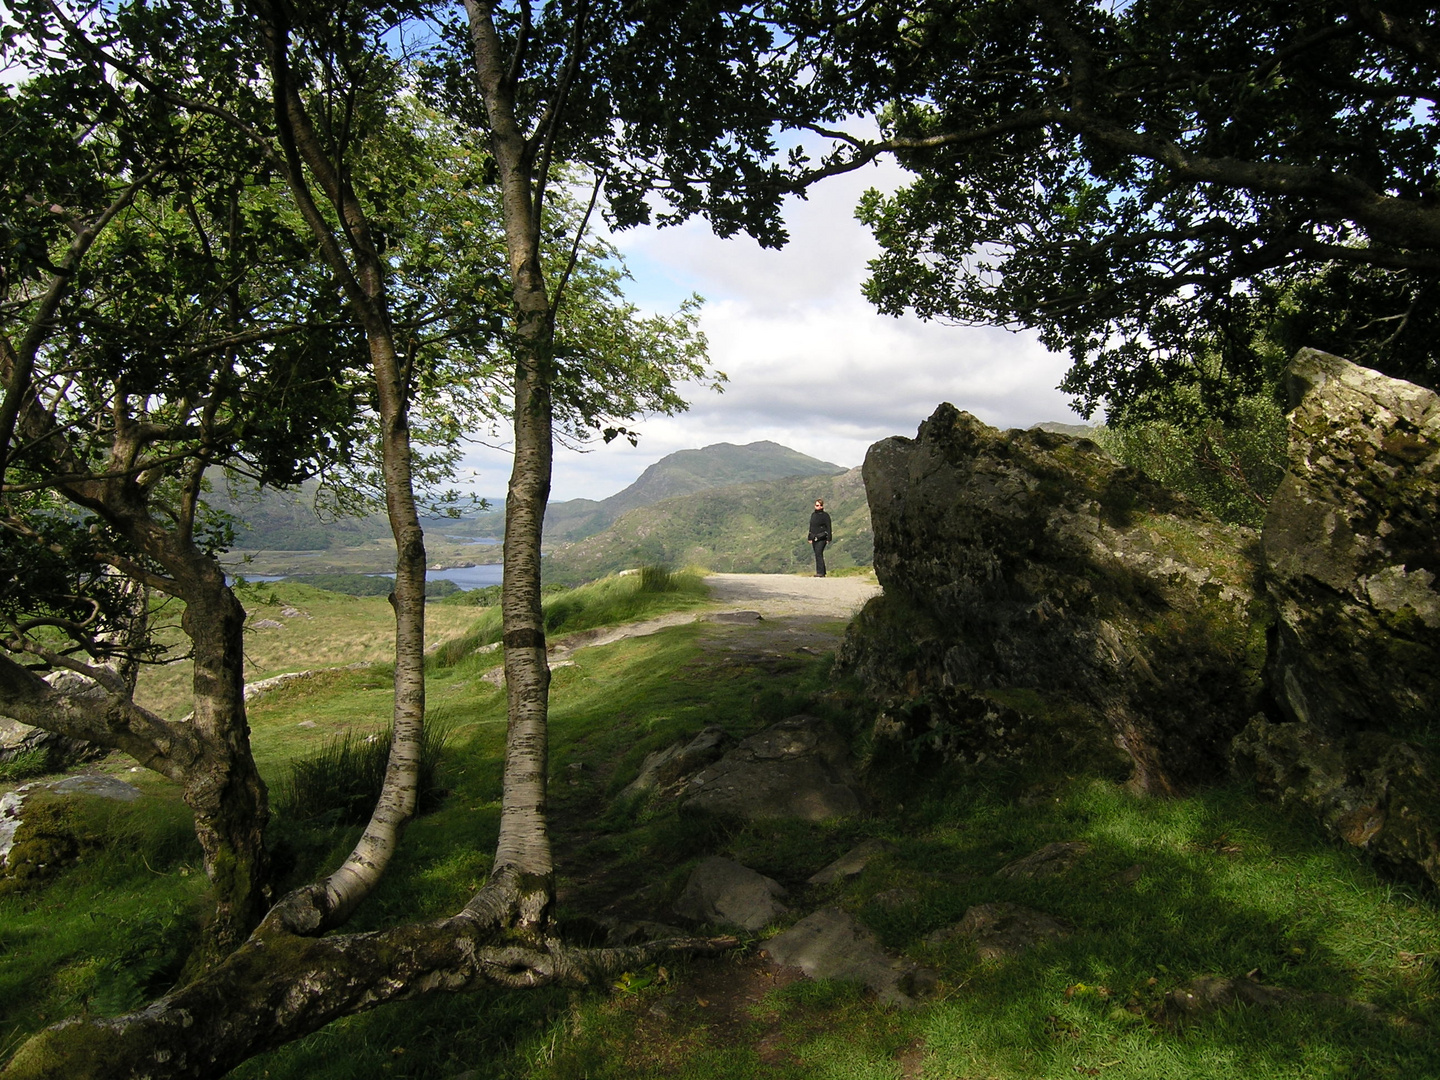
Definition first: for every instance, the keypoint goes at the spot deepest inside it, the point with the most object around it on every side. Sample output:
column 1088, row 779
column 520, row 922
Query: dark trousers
column 819, row 546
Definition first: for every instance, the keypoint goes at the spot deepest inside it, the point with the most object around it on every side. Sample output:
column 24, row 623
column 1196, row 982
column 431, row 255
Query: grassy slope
column 745, row 528
column 1225, row 886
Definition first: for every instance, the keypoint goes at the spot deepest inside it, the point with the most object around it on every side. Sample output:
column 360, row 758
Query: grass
column 327, row 630
column 342, row 782
column 1225, row 886
column 620, row 598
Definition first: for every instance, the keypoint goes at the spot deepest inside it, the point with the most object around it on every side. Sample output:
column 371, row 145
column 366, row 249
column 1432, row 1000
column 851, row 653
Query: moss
column 51, row 837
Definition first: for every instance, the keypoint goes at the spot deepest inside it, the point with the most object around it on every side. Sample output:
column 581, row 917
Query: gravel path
column 789, row 594
column 734, row 596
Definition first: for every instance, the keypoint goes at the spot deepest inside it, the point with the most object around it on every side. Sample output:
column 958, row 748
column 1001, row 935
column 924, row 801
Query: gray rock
column 1052, row 860
column 267, row 624
column 1002, row 930
column 851, row 863
column 798, row 769
column 1352, row 550
column 1371, row 791
column 723, row 891
column 61, row 752
column 664, row 767
column 1210, row 993
column 1044, row 604
column 830, row 944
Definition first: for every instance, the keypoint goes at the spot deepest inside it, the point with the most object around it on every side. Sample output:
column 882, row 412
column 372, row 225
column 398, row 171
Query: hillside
column 747, row 528
column 277, row 521
column 684, row 472
column 1202, row 935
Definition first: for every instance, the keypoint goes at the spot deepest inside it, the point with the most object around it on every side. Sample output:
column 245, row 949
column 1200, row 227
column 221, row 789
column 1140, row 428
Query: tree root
column 279, row 986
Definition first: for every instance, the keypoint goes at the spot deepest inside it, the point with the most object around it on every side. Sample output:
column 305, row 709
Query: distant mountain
column 681, row 473
column 287, row 520
column 739, row 528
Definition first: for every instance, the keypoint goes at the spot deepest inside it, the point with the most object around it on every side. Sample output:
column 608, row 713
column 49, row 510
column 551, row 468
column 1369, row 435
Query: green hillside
column 740, row 528
column 684, row 472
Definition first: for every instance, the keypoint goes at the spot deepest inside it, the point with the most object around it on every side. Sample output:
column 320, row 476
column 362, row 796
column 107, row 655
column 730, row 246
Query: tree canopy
column 1145, row 182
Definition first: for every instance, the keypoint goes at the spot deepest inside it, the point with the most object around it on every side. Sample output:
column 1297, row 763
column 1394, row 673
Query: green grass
column 1226, row 886
column 621, row 598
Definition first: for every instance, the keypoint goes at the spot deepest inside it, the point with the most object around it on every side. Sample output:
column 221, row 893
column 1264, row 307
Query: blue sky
column 811, row 364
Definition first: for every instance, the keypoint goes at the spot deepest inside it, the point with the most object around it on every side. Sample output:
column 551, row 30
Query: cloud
column 811, row 364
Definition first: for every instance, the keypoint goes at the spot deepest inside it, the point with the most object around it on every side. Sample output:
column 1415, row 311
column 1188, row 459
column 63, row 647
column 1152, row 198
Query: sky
column 811, row 364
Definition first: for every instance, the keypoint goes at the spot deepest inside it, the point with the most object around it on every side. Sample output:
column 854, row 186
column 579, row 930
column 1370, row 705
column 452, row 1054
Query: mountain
column 681, row 473
column 287, row 520
column 742, row 528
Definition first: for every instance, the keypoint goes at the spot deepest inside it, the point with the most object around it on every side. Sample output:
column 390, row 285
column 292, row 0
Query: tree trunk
column 523, row 850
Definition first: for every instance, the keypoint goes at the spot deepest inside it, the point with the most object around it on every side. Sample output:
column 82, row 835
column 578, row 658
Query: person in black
column 819, row 535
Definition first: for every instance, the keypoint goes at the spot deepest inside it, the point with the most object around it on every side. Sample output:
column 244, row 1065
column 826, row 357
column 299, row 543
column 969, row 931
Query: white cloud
column 811, row 364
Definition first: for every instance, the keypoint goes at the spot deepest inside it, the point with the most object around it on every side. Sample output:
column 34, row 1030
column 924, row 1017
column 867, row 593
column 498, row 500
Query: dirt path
column 789, row 594
column 798, row 600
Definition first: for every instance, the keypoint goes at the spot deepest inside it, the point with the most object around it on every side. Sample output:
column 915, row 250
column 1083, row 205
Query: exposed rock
column 830, row 944
column 1044, row 603
column 1370, row 790
column 723, row 891
column 664, row 767
column 798, row 768
column 267, row 624
column 60, row 752
column 1052, row 860
column 1001, row 930
column 851, row 863
column 1352, row 551
column 264, row 686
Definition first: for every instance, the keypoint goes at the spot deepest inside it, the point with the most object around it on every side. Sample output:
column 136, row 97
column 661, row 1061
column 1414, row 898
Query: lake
column 467, row 577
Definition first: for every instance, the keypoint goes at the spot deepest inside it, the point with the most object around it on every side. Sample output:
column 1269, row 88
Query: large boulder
column 1043, row 601
column 1352, row 551
column 1351, row 557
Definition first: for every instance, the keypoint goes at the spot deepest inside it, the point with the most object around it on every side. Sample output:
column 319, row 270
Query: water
column 467, row 577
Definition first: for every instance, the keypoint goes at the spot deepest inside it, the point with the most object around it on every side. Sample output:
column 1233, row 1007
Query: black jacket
column 819, row 526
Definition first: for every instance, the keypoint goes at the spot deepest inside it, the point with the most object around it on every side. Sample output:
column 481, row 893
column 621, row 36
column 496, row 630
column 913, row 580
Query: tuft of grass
column 24, row 765
column 340, row 784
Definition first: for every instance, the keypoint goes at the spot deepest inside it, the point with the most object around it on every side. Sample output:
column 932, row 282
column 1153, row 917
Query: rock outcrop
column 830, row 944
column 1352, row 554
column 1352, row 551
column 1043, row 602
column 723, row 891
column 799, row 768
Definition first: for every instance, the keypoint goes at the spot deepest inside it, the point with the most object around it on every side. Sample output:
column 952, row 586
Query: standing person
column 819, row 535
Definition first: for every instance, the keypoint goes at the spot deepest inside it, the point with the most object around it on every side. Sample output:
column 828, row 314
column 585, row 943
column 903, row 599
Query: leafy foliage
column 1142, row 182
